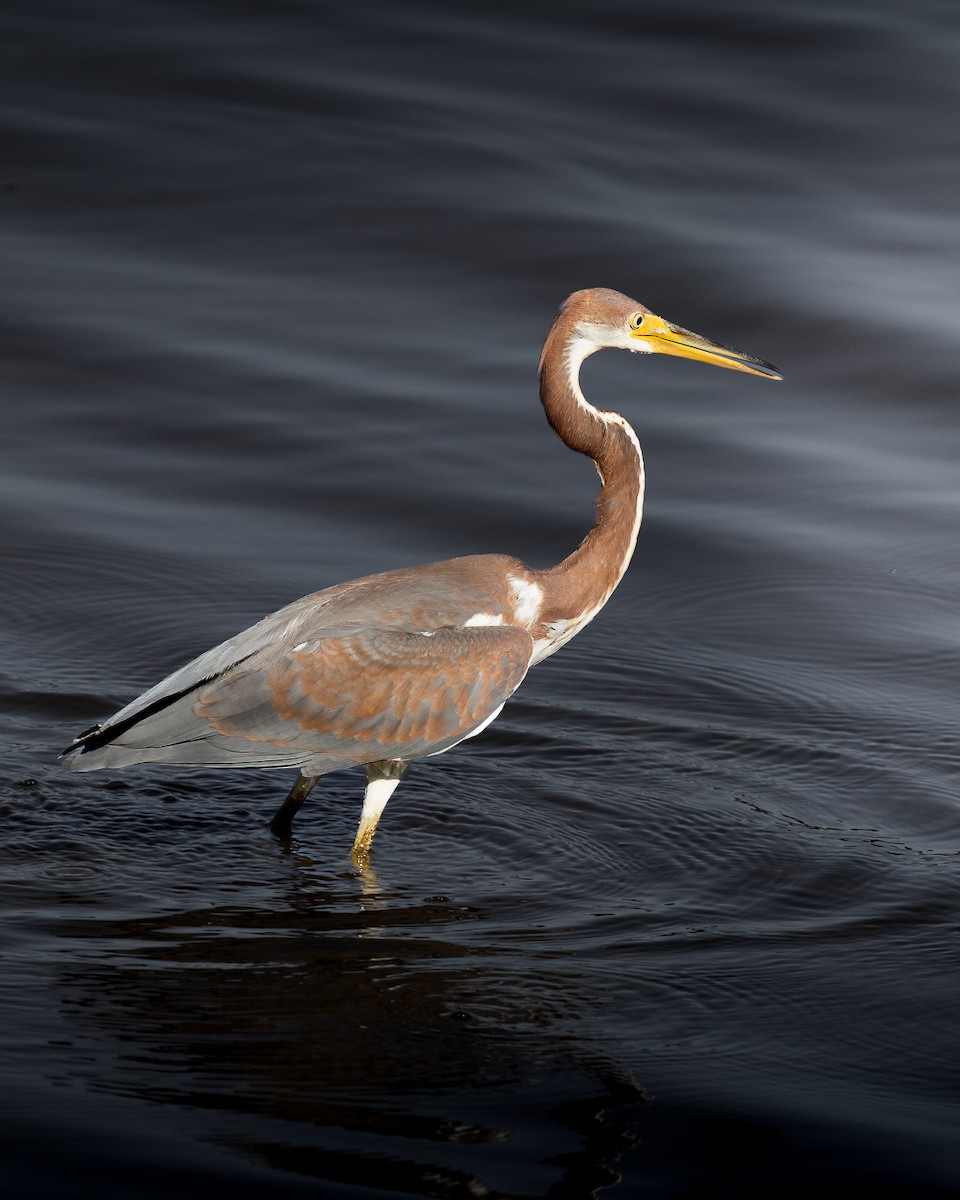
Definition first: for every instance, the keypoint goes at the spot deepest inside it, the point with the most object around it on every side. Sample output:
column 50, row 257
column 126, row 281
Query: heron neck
column 581, row 584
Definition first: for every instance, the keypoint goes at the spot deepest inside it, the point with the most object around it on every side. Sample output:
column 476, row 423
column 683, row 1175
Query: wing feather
column 347, row 695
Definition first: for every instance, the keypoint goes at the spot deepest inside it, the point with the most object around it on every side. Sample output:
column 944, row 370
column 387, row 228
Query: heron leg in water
column 382, row 780
column 282, row 823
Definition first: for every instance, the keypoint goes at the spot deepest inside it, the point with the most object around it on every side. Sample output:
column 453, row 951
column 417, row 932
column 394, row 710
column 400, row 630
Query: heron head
column 605, row 318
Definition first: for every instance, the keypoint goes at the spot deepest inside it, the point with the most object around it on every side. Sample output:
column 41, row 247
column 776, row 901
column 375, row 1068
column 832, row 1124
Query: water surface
column 683, row 921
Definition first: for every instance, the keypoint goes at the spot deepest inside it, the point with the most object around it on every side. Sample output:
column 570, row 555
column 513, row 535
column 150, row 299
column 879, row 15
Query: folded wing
column 348, row 695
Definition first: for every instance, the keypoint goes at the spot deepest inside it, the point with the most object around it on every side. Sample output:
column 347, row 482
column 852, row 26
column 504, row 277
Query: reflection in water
column 363, row 1046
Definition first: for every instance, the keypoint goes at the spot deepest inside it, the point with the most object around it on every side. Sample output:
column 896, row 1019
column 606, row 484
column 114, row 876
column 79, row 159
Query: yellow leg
column 382, row 780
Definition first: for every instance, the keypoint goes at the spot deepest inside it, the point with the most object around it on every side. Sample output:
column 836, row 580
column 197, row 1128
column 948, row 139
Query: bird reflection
column 371, row 893
column 392, row 1055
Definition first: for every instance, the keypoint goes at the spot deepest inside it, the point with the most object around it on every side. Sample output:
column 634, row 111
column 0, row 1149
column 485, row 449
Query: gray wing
column 347, row 695
column 279, row 628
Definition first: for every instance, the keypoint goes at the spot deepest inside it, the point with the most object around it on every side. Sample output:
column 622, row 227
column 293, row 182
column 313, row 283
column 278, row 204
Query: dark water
column 684, row 922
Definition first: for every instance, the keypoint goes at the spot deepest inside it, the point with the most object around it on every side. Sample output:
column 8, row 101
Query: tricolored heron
column 403, row 665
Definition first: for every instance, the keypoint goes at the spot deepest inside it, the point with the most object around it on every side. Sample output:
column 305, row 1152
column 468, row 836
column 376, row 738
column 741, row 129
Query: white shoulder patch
column 527, row 599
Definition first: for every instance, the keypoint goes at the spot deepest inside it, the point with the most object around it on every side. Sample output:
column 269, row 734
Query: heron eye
column 636, row 320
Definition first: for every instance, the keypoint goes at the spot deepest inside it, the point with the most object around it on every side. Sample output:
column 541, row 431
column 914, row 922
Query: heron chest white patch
column 483, row 619
column 559, row 632
column 527, row 599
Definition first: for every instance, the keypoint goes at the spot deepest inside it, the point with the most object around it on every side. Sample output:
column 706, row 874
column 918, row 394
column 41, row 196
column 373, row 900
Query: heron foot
column 361, row 848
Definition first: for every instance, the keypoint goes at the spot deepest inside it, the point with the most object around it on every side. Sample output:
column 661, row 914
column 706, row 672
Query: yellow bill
column 663, row 338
